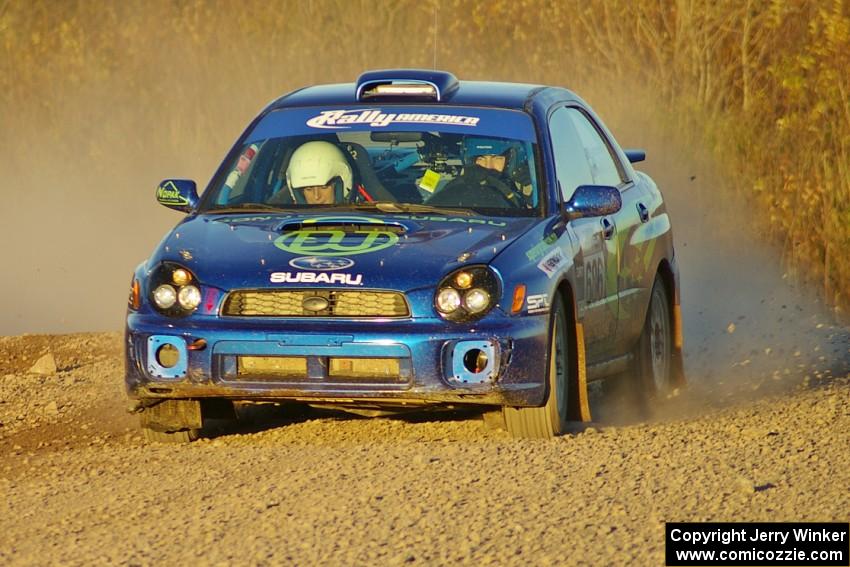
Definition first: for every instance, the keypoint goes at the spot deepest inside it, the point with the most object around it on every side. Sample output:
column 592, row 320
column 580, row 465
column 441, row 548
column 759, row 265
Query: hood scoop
column 349, row 227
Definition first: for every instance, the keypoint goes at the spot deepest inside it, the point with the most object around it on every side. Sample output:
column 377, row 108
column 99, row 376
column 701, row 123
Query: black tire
column 184, row 436
column 176, row 421
column 551, row 419
column 494, row 419
column 655, row 348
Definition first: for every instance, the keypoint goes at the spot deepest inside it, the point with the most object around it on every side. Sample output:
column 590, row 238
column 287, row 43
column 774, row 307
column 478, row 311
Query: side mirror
column 178, row 194
column 593, row 201
column 635, row 155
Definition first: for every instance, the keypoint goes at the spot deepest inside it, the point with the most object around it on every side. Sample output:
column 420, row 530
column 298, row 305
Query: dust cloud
column 71, row 241
column 751, row 328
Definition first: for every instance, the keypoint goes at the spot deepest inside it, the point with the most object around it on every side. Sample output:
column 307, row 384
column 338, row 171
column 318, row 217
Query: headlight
column 463, row 280
column 476, row 300
column 448, row 300
column 176, row 291
column 164, row 296
column 189, row 297
column 467, row 294
column 181, row 276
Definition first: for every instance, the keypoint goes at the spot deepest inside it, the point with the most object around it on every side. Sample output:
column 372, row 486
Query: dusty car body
column 422, row 284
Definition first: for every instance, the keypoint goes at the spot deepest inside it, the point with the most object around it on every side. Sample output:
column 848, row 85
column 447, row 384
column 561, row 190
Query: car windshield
column 452, row 160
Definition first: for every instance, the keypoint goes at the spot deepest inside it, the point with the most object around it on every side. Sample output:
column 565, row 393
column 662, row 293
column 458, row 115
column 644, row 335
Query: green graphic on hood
column 337, row 242
column 168, row 194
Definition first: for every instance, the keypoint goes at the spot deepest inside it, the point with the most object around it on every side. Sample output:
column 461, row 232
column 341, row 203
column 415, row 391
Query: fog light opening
column 475, row 360
column 168, row 356
column 472, row 364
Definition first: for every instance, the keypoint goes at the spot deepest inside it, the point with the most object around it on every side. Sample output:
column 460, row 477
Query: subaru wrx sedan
column 405, row 241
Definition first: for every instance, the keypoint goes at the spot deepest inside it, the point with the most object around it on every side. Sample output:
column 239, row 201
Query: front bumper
column 431, row 355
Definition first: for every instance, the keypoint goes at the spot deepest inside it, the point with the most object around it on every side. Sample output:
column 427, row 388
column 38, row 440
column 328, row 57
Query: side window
column 602, row 165
column 571, row 163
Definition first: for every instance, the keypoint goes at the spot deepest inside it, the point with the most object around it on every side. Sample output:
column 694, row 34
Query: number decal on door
column 594, row 277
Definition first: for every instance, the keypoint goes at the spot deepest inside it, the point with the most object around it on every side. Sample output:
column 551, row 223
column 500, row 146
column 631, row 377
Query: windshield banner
column 434, row 118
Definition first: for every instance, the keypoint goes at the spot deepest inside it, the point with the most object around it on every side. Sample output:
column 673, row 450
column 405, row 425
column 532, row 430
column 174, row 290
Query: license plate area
column 327, row 369
column 264, row 368
column 366, row 369
column 313, row 366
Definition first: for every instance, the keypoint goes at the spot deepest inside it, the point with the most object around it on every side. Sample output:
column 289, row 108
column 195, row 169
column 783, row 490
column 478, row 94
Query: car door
column 630, row 271
column 596, row 292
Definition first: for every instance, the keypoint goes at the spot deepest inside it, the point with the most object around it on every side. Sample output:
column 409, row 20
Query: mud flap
column 579, row 403
column 677, row 370
column 172, row 415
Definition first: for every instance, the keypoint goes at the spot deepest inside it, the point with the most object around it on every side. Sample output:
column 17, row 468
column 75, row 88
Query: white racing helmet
column 317, row 163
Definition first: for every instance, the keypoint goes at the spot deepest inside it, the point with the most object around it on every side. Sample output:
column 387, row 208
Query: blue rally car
column 409, row 241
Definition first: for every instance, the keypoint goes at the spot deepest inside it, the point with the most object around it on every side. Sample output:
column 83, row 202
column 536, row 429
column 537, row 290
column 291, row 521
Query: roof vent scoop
column 406, row 84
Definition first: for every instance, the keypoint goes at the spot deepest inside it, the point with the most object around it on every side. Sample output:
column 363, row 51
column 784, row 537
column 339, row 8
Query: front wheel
column 551, row 419
column 182, row 436
column 172, row 421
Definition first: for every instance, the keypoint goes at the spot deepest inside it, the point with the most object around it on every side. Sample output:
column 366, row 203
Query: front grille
column 340, row 303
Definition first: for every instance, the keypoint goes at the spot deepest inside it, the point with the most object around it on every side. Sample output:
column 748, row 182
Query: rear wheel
column 655, row 349
column 551, row 419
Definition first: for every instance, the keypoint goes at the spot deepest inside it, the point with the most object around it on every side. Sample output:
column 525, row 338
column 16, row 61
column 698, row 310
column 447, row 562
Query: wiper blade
column 393, row 207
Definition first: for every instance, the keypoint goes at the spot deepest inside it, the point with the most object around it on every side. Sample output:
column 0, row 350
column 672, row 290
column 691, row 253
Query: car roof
column 466, row 93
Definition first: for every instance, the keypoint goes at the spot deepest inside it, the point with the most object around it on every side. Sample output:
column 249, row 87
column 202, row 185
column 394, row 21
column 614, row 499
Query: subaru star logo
column 321, row 263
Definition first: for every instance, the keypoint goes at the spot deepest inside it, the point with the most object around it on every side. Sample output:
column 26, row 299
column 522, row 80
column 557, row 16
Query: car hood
column 395, row 251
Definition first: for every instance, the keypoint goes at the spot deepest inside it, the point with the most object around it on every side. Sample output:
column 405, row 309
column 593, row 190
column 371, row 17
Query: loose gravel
column 81, row 487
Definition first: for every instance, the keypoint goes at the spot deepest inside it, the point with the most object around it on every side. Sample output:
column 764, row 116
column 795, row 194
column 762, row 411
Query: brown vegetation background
column 101, row 100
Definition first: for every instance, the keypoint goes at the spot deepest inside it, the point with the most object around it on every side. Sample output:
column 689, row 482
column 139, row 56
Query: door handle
column 607, row 228
column 643, row 212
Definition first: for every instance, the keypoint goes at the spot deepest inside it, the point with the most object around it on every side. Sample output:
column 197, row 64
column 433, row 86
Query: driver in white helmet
column 318, row 174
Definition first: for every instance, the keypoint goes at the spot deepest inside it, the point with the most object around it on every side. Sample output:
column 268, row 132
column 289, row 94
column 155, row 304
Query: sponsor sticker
column 332, row 119
column 551, row 262
column 462, row 220
column 335, row 242
column 169, row 194
column 321, row 263
column 537, row 303
column 318, row 278
column 495, row 122
column 541, row 247
column 332, row 242
column 246, row 220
